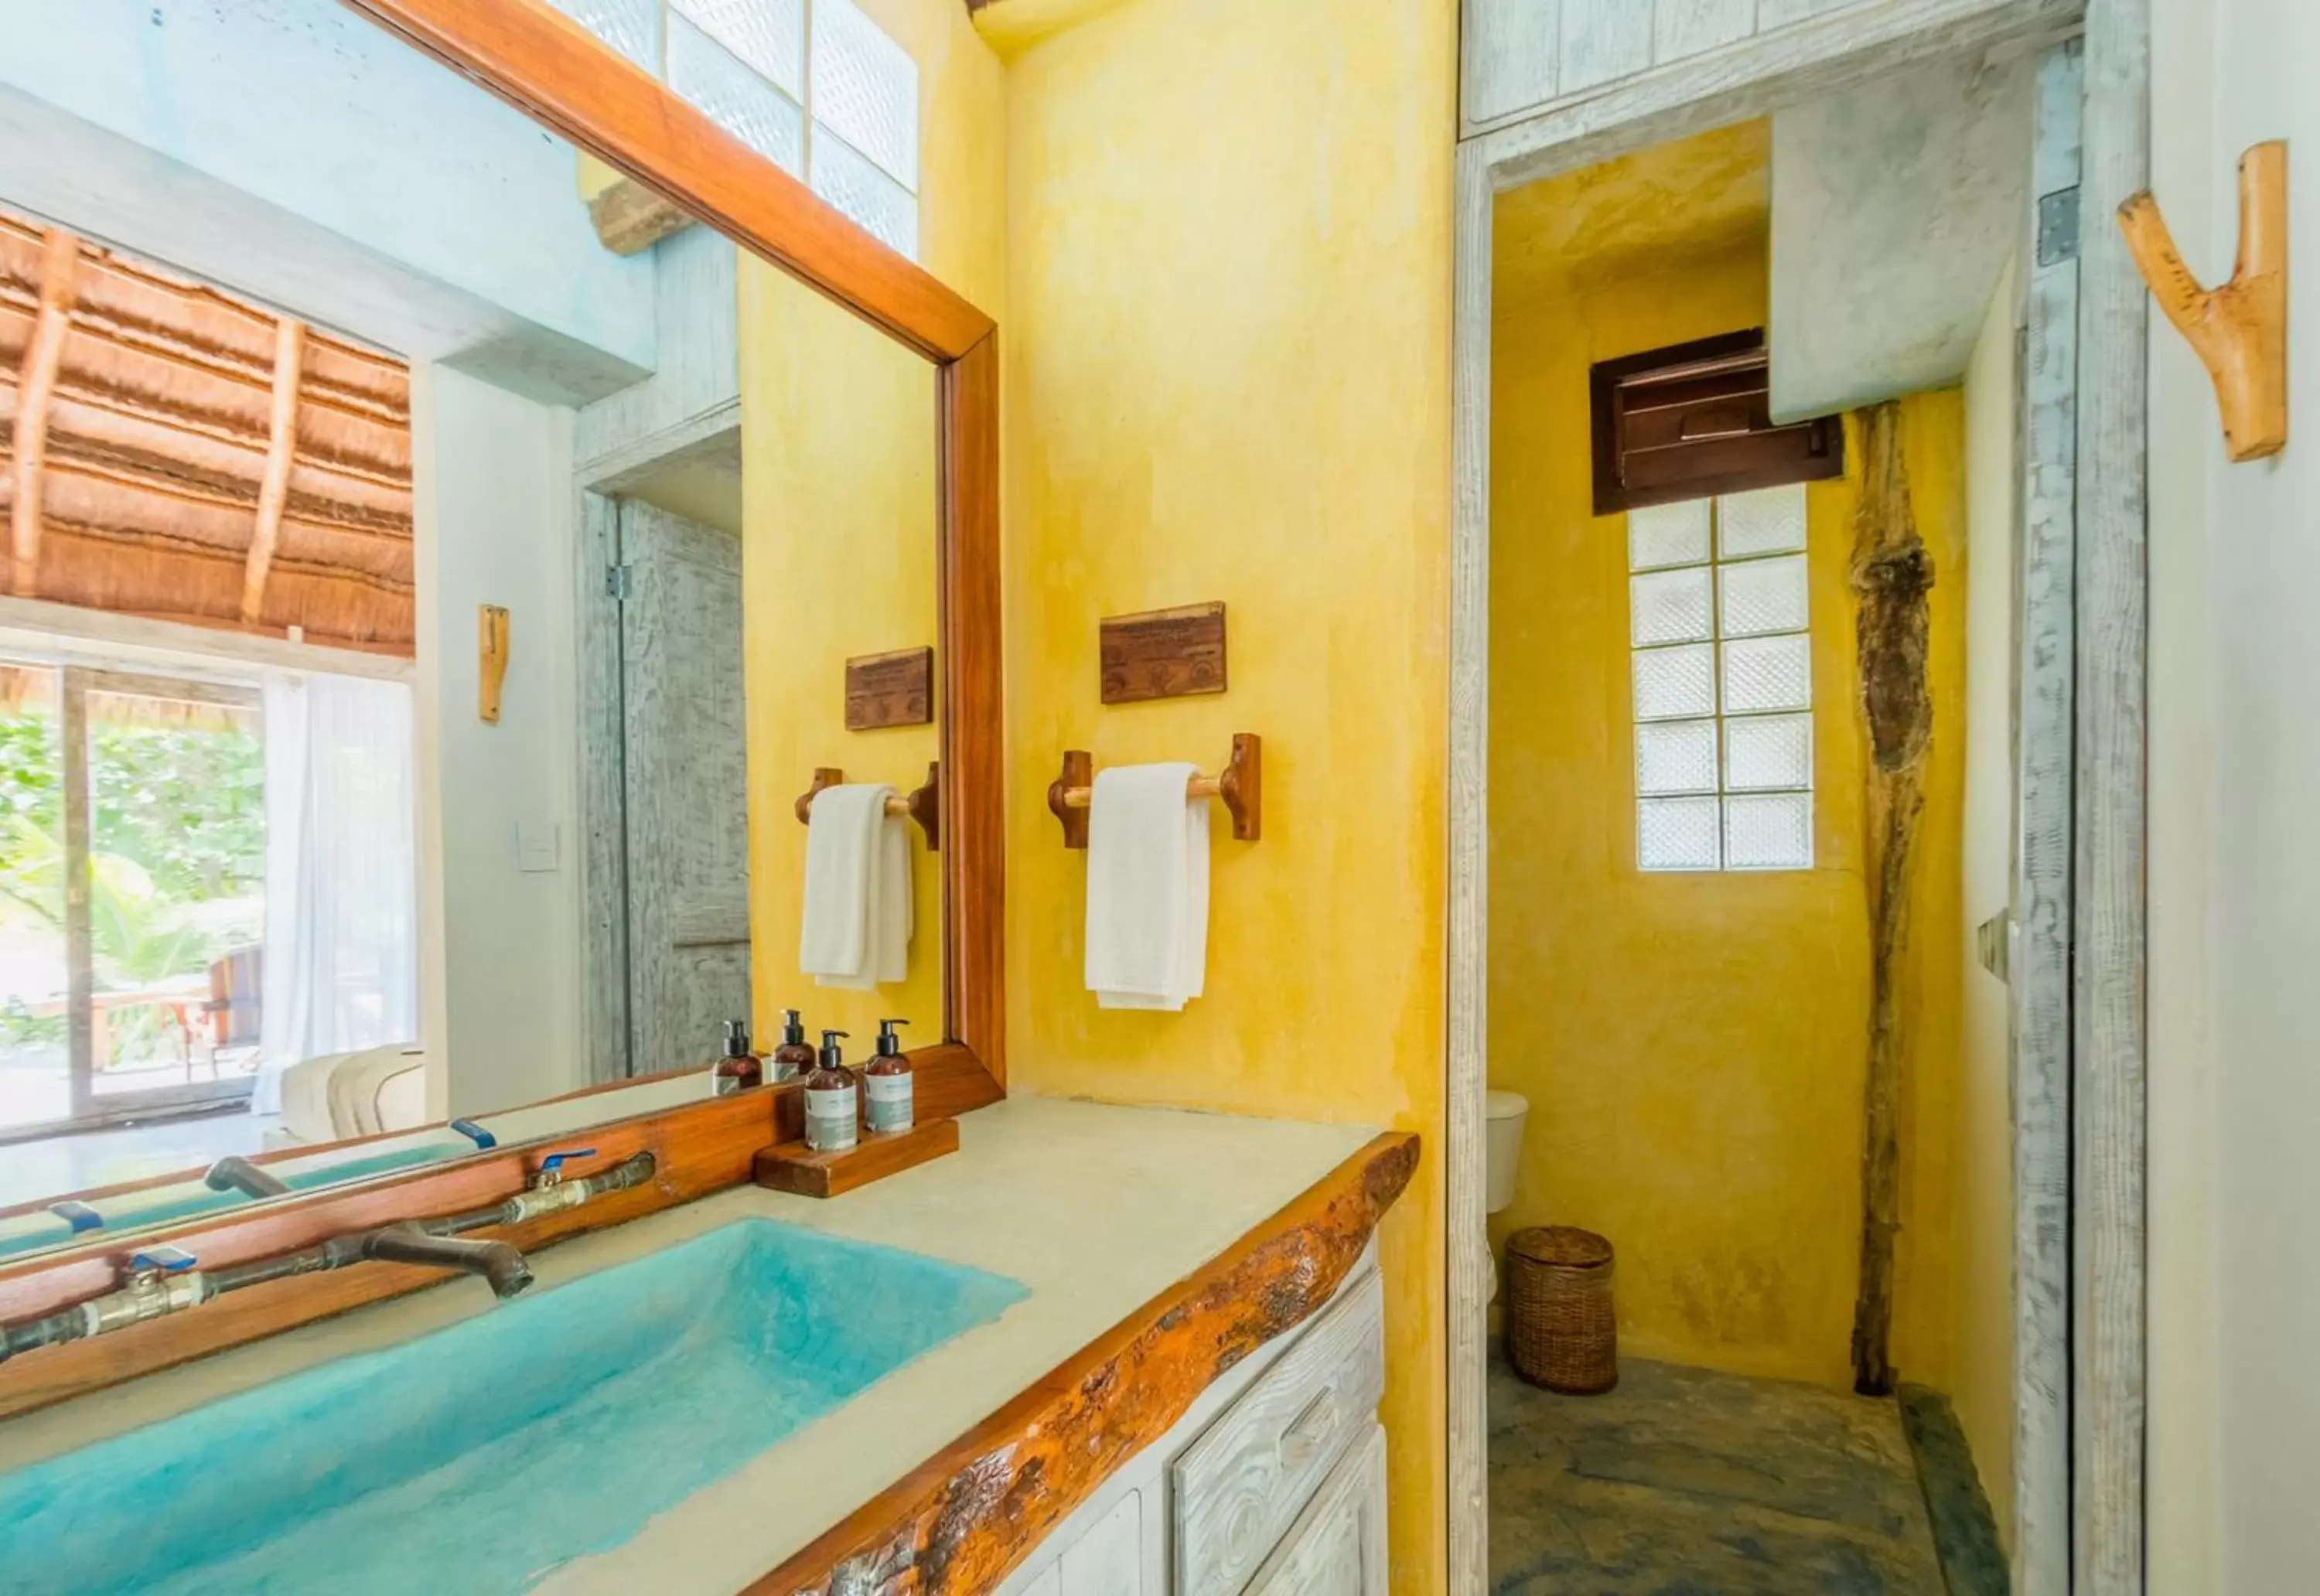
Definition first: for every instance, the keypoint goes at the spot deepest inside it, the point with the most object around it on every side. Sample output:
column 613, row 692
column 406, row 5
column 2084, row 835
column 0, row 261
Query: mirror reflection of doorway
column 684, row 781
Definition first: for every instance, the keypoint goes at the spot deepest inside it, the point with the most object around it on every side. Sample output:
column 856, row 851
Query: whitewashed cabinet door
column 1337, row 1545
column 688, row 844
column 1107, row 1560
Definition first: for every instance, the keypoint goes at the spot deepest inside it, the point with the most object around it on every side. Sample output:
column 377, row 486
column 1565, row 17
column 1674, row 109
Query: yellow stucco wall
column 837, row 443
column 1692, row 1045
column 1222, row 279
column 1227, row 378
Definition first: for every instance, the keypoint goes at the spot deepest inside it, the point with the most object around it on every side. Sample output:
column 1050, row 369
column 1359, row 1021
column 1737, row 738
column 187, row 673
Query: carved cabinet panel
column 1274, row 1481
column 1337, row 1545
column 1237, row 1490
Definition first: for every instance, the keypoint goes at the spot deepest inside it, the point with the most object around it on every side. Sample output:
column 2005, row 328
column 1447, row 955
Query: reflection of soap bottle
column 887, row 1083
column 739, row 1069
column 794, row 1056
column 830, row 1100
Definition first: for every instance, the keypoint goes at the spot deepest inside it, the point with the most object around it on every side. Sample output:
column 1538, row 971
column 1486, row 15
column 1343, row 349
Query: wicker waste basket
column 1561, row 1330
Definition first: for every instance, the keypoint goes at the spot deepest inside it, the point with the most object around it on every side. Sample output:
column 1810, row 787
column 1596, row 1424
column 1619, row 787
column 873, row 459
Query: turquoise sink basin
column 481, row 1458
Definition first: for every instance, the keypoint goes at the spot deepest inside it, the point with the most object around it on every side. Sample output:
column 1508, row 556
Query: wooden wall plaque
column 1163, row 653
column 895, row 689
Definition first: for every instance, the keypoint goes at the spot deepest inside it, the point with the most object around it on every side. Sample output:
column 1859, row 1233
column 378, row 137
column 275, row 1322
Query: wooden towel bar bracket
column 923, row 805
column 1241, row 786
column 2239, row 330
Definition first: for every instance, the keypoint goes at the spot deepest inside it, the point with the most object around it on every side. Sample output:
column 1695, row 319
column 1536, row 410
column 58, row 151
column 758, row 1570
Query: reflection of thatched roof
column 34, row 687
column 196, row 458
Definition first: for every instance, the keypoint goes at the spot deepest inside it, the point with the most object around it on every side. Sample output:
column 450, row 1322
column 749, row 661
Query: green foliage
column 178, row 822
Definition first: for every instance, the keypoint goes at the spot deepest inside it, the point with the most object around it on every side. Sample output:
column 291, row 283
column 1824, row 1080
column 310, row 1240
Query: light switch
column 538, row 845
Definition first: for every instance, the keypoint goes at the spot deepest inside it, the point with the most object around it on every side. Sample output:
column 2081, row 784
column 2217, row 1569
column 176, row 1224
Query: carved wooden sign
column 894, row 689
column 1163, row 653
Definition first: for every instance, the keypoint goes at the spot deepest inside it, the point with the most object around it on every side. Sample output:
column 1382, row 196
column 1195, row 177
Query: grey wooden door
column 688, row 844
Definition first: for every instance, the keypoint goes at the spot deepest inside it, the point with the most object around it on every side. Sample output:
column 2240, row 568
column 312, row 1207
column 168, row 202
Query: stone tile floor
column 1687, row 1483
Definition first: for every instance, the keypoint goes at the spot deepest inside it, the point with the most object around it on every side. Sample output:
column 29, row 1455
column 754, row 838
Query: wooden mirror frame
column 547, row 67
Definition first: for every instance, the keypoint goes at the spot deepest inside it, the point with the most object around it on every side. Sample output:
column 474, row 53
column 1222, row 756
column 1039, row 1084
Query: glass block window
column 1719, row 637
column 813, row 86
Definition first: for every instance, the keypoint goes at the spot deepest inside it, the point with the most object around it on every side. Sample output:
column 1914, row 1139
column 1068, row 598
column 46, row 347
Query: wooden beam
column 36, row 387
column 1891, row 575
column 281, row 450
column 631, row 218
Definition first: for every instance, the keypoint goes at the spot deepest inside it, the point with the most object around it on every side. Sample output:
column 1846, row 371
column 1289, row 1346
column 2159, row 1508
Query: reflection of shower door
column 688, row 843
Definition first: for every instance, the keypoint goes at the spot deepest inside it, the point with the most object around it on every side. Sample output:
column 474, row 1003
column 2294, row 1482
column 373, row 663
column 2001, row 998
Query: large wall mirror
column 478, row 481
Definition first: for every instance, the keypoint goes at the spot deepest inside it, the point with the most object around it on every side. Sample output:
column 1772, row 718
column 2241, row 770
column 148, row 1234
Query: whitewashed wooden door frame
column 2083, row 589
column 604, row 794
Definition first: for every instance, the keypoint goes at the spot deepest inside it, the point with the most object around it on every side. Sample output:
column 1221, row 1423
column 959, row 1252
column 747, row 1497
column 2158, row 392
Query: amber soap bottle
column 740, row 1068
column 831, row 1101
column 794, row 1056
column 887, row 1083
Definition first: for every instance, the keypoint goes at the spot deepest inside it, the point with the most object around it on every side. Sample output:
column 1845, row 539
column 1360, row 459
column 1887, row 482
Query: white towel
column 857, row 931
column 1148, row 888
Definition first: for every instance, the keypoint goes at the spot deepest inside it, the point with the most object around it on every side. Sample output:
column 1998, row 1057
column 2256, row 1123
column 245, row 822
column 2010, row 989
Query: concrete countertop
column 1095, row 1208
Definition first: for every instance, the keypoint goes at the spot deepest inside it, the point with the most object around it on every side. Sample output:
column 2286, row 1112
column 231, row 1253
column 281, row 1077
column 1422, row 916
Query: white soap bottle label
column 829, row 1122
column 889, row 1107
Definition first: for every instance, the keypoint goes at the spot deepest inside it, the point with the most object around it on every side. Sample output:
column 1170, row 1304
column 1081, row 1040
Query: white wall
column 2234, row 1107
column 300, row 153
column 1982, row 1336
column 499, row 963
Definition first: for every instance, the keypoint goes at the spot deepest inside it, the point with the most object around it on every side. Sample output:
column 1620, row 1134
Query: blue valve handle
column 554, row 1163
column 80, row 1216
column 169, row 1260
column 483, row 1140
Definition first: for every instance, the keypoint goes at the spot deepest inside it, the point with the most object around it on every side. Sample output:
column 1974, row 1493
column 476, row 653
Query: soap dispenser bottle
column 794, row 1056
column 887, row 1083
column 830, row 1099
column 740, row 1068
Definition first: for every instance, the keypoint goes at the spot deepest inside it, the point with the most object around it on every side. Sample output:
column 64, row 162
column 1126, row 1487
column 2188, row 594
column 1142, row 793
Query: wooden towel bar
column 923, row 804
column 1240, row 785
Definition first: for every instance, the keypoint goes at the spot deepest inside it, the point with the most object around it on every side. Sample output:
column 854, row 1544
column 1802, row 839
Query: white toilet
column 1504, row 1114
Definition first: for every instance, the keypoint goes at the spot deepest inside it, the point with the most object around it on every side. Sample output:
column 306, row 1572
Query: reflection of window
column 812, row 84
column 140, row 990
column 1722, row 683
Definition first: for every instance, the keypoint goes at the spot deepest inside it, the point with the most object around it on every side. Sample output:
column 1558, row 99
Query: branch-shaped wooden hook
column 2239, row 330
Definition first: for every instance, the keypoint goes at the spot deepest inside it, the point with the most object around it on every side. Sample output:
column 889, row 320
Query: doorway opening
column 665, row 866
column 1765, row 1089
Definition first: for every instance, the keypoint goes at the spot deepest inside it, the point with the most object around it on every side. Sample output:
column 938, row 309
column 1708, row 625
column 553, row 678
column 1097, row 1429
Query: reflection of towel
column 858, row 889
column 1148, row 888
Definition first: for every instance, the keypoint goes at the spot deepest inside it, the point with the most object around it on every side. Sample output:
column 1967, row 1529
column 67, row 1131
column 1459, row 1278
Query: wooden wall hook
column 492, row 659
column 922, row 804
column 2239, row 330
column 1240, row 786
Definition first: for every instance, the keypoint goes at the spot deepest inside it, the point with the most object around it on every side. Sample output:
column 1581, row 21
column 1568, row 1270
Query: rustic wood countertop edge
column 967, row 1517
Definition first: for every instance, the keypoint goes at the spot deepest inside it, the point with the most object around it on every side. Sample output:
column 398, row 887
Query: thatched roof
column 192, row 457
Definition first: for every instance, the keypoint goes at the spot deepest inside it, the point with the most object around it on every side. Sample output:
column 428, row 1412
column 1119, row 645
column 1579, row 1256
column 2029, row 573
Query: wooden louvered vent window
column 1695, row 420
column 171, row 451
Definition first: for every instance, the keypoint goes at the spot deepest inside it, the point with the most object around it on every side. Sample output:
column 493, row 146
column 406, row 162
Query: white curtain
column 341, row 873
